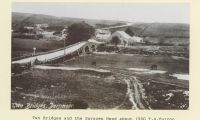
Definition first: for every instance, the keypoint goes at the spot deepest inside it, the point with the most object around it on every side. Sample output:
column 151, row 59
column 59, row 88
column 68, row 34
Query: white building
column 102, row 35
column 138, row 39
column 126, row 39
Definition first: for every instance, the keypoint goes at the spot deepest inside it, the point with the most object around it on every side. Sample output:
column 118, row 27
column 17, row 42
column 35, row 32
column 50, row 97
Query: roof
column 124, row 34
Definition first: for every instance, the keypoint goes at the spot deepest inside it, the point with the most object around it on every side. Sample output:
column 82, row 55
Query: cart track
column 134, row 92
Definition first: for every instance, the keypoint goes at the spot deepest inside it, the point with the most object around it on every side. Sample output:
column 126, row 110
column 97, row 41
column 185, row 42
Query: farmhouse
column 102, row 35
column 126, row 39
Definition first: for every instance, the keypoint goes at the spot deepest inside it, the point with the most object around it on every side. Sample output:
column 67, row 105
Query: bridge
column 75, row 49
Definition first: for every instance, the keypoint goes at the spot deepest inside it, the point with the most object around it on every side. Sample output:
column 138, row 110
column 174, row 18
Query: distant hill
column 162, row 33
column 161, row 29
column 23, row 19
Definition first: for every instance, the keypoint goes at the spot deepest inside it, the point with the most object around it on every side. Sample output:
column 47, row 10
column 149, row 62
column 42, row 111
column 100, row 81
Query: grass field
column 162, row 29
column 46, row 87
column 130, row 60
column 168, row 40
column 22, row 47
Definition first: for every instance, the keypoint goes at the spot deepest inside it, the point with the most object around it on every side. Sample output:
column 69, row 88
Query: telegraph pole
column 34, row 49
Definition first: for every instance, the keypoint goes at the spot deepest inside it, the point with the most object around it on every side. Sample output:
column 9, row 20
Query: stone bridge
column 84, row 47
column 88, row 48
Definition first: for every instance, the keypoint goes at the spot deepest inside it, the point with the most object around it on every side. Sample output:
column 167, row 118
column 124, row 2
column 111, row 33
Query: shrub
column 79, row 32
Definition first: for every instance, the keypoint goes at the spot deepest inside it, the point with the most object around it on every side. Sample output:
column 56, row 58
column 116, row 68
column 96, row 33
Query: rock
column 19, row 88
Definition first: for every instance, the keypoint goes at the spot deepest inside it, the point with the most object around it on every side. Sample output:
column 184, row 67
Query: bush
column 79, row 32
column 115, row 40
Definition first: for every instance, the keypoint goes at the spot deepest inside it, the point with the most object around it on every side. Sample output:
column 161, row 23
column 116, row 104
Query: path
column 134, row 90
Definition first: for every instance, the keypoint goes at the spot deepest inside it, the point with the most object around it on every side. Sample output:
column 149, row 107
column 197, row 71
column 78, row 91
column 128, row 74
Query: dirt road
column 134, row 90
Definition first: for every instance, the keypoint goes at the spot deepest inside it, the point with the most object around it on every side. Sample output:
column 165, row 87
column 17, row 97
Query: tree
column 79, row 32
column 115, row 40
column 130, row 32
column 161, row 40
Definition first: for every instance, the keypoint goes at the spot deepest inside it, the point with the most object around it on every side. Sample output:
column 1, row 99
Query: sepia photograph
column 112, row 56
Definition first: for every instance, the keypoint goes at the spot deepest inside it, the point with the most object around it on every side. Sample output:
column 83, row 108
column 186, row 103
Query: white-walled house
column 126, row 39
column 102, row 35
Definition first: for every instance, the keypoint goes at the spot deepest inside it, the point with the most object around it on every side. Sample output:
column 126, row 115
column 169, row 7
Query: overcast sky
column 133, row 12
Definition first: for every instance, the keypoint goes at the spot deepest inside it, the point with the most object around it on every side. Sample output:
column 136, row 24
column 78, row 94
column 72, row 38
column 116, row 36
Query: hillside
column 142, row 29
column 19, row 19
column 161, row 29
column 167, row 33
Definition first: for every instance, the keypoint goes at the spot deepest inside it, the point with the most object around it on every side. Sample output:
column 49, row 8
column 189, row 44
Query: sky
column 132, row 12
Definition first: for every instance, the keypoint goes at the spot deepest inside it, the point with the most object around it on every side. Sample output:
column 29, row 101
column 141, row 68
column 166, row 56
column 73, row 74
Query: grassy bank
column 81, row 90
